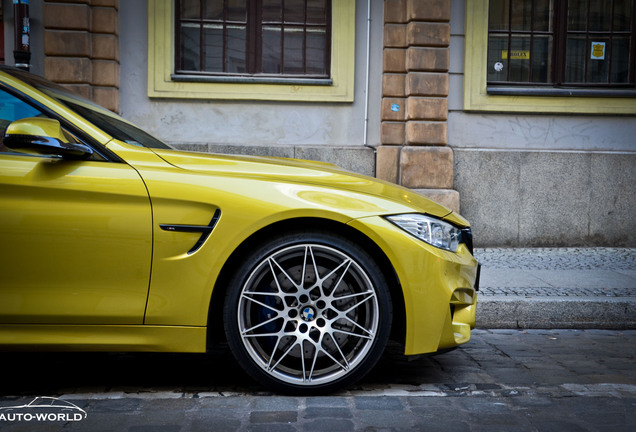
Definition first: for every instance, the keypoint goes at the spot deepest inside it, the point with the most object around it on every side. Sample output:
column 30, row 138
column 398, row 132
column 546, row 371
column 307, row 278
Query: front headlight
column 433, row 231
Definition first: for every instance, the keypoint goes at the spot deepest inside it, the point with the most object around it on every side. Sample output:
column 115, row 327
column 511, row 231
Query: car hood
column 305, row 172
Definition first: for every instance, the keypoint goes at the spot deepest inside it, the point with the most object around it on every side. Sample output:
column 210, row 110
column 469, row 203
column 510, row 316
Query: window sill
column 250, row 80
column 557, row 92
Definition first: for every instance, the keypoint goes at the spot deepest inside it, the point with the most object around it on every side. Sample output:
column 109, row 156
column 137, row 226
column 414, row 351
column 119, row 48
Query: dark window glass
column 584, row 43
column 11, row 109
column 290, row 38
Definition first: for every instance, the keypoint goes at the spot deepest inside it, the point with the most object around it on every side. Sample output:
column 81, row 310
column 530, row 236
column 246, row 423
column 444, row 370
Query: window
column 11, row 109
column 574, row 43
column 533, row 78
column 290, row 38
column 288, row 64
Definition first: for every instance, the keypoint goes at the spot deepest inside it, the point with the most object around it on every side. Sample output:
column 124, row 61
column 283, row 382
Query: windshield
column 107, row 121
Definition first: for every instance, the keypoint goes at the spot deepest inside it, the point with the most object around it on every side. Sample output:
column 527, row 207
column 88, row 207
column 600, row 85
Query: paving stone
column 321, row 412
column 275, row 403
column 330, row 424
column 378, row 403
column 273, row 416
column 271, row 428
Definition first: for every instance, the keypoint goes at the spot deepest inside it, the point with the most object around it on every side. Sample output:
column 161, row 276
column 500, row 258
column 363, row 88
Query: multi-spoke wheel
column 308, row 313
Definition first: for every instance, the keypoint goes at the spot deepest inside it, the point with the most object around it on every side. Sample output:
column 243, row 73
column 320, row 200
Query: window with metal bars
column 562, row 43
column 253, row 38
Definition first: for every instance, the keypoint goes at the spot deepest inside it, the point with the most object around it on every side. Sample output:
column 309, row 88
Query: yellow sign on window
column 598, row 51
column 516, row 55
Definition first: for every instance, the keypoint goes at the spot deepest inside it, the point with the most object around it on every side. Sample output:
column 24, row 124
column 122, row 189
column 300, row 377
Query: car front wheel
column 308, row 313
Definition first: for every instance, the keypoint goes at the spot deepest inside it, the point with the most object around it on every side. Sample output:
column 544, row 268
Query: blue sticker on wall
column 395, row 107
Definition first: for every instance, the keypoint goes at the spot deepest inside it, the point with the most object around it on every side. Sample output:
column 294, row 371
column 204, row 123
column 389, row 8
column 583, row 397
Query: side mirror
column 43, row 136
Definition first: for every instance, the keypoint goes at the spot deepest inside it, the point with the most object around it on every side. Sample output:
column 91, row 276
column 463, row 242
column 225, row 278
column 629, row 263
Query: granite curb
column 558, row 288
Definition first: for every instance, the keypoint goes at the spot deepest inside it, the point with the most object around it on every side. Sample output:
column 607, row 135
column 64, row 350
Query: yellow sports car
column 113, row 241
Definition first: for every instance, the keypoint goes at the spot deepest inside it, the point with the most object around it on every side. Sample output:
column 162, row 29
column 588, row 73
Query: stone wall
column 81, row 48
column 548, row 198
column 414, row 112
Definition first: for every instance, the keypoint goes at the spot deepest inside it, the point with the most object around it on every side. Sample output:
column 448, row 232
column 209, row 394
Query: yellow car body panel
column 90, row 217
column 429, row 276
column 105, row 338
column 65, row 223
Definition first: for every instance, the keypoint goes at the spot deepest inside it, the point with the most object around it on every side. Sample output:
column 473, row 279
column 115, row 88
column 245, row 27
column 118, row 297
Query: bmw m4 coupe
column 113, row 241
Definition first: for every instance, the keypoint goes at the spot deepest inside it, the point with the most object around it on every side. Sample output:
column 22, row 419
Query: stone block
column 427, row 59
column 193, row 147
column 428, row 133
column 395, row 11
column 67, row 43
column 488, row 185
column 530, row 198
column 68, row 70
column 392, row 133
column 554, row 198
column 66, row 16
column 613, row 201
column 358, row 159
column 108, row 97
column 105, row 73
column 426, row 167
column 449, row 198
column 393, row 85
column 393, row 109
column 506, row 312
column 395, row 36
column 104, row 46
column 251, row 150
column 427, row 84
column 105, row 3
column 82, row 90
column 423, row 108
column 104, row 20
column 387, row 163
column 429, row 10
column 394, row 60
column 429, row 34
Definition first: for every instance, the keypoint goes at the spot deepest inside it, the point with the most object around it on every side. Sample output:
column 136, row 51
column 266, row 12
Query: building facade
column 521, row 115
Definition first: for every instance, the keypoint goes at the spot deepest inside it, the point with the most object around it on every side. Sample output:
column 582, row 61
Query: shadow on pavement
column 51, row 373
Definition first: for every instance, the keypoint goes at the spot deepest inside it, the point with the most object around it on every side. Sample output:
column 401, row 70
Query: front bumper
column 439, row 287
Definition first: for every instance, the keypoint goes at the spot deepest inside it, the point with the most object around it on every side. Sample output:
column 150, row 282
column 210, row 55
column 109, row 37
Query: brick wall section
column 81, row 48
column 415, row 85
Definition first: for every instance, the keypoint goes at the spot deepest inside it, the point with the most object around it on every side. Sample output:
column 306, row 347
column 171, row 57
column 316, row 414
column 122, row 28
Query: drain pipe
column 366, row 87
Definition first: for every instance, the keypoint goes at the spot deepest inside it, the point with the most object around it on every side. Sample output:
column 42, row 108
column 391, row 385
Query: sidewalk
column 557, row 288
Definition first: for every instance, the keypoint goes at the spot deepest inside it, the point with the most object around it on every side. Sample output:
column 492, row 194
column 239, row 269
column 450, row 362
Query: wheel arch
column 216, row 332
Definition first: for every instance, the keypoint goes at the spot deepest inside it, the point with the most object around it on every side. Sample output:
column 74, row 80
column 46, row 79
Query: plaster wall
column 540, row 180
column 257, row 126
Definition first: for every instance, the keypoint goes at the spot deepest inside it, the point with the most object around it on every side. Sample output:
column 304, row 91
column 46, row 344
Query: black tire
column 313, row 337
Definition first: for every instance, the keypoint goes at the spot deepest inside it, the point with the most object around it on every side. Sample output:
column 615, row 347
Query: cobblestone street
column 532, row 380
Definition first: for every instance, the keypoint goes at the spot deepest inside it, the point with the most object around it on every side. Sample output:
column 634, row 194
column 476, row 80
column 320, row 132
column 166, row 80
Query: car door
column 75, row 236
